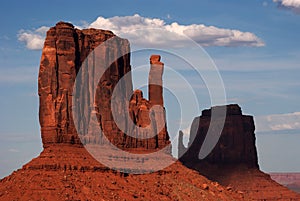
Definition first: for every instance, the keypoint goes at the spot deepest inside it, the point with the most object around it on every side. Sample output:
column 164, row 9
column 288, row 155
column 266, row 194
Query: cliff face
column 236, row 144
column 65, row 51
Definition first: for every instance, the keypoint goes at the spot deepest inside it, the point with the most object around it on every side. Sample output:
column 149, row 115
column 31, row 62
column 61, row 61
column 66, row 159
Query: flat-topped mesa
column 155, row 91
column 66, row 50
column 233, row 161
column 236, row 145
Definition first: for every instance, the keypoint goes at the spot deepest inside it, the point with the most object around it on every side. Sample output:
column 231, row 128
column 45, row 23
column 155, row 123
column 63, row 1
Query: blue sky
column 260, row 70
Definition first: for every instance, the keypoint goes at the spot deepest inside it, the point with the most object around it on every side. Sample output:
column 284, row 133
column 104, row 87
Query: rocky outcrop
column 236, row 144
column 149, row 116
column 66, row 54
column 233, row 161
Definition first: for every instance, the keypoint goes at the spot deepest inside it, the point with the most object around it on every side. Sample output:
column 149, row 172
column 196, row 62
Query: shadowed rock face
column 233, row 161
column 236, row 145
column 65, row 51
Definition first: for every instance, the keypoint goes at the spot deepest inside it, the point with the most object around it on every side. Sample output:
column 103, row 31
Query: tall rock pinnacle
column 155, row 81
column 150, row 114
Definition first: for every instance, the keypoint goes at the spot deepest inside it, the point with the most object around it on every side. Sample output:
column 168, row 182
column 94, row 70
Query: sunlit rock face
column 66, row 50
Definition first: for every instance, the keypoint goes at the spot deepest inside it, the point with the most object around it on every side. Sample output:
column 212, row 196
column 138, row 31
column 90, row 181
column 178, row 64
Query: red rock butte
column 65, row 50
column 233, row 161
column 236, row 145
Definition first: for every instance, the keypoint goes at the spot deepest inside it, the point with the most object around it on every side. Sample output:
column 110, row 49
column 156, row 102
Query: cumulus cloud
column 156, row 32
column 277, row 122
column 34, row 40
column 291, row 4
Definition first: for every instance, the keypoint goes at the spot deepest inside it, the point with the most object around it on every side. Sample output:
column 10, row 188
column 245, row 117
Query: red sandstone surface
column 65, row 170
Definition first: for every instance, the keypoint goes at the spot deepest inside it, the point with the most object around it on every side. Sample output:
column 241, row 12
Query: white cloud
column 156, row 32
column 291, row 4
column 34, row 40
column 276, row 122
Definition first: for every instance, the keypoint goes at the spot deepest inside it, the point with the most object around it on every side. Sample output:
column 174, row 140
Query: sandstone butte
column 233, row 161
column 65, row 170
